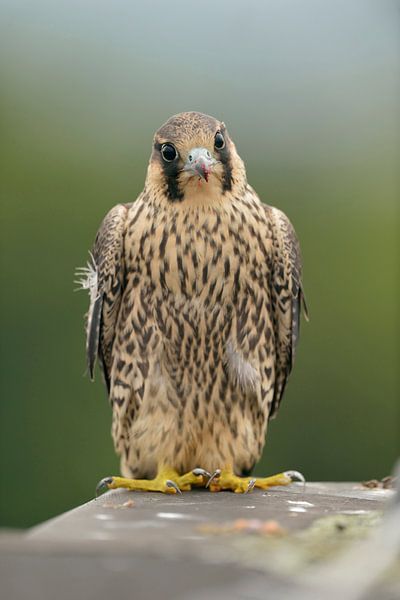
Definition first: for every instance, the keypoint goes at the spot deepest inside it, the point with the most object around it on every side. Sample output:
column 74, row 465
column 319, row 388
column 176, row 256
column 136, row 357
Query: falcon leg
column 225, row 479
column 167, row 481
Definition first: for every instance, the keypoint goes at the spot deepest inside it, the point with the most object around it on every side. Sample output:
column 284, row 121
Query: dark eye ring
column 219, row 141
column 168, row 152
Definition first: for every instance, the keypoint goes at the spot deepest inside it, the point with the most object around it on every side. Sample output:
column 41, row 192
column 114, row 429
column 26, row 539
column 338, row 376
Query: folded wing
column 287, row 298
column 104, row 278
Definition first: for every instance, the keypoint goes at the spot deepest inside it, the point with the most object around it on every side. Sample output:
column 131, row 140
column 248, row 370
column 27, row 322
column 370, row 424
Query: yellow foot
column 167, row 481
column 225, row 479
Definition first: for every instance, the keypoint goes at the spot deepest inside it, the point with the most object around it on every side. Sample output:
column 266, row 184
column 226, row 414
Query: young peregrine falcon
column 196, row 296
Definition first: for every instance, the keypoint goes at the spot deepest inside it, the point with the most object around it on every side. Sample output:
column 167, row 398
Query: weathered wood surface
column 291, row 542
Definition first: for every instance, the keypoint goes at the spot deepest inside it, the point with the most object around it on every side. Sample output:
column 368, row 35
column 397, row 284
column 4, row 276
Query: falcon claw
column 171, row 484
column 251, row 485
column 103, row 485
column 295, row 476
column 198, row 471
column 213, row 476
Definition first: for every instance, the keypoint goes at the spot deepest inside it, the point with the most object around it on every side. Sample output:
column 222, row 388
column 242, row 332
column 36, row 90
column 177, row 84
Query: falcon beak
column 200, row 162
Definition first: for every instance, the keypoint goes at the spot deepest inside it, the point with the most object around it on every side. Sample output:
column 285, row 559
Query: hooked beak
column 200, row 162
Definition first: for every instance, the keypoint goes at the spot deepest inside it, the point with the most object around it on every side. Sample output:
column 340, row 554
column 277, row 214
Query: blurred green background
column 310, row 93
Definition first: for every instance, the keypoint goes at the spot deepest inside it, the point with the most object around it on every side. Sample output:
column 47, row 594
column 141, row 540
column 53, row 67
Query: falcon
column 195, row 301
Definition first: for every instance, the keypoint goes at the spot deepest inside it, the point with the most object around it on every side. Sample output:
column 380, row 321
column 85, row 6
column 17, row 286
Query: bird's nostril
column 208, row 154
column 190, row 157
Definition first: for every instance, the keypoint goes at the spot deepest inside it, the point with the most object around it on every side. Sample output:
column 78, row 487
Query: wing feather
column 287, row 299
column 104, row 277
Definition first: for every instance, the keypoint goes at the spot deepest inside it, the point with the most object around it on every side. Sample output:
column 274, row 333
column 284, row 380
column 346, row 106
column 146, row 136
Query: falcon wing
column 287, row 298
column 104, row 277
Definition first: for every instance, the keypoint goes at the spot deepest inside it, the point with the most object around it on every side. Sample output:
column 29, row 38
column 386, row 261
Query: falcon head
column 194, row 157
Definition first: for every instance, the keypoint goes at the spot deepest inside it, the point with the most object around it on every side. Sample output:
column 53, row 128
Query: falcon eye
column 219, row 141
column 168, row 152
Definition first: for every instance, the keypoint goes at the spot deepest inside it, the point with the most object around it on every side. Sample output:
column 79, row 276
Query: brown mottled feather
column 287, row 298
column 108, row 260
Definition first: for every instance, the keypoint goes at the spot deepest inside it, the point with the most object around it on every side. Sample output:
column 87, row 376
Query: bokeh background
column 310, row 93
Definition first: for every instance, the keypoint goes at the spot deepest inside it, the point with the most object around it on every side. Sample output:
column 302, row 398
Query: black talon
column 250, row 486
column 216, row 474
column 172, row 484
column 203, row 472
column 295, row 476
column 103, row 485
